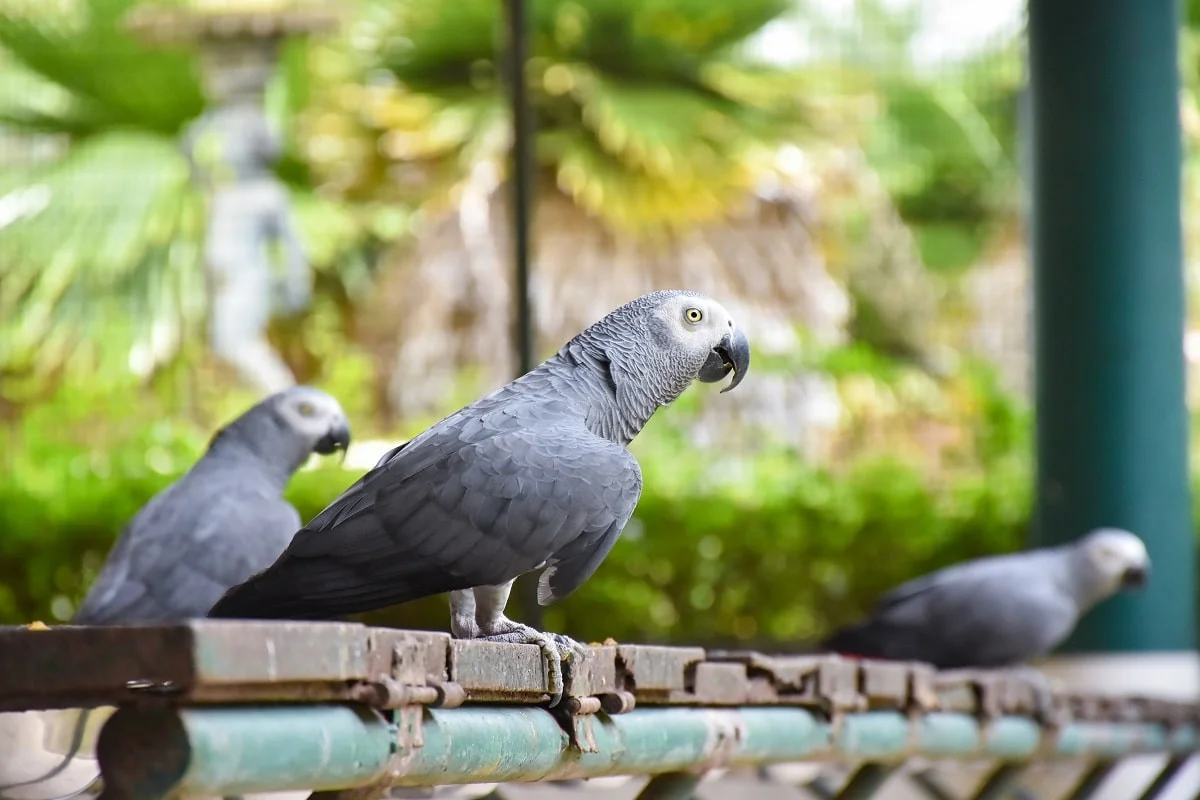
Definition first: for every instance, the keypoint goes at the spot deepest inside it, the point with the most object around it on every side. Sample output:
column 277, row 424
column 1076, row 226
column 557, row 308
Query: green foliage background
column 750, row 547
column 650, row 117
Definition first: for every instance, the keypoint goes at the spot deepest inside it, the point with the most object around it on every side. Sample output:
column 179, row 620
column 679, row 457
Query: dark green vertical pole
column 1109, row 305
column 522, row 178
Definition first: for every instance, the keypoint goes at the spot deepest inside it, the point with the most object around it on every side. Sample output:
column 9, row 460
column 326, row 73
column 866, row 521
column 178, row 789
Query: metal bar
column 1000, row 783
column 218, row 662
column 671, row 786
column 1092, row 780
column 223, row 750
column 144, row 754
column 866, row 781
column 926, row 780
column 819, row 787
column 1112, row 425
column 1164, row 777
column 523, row 134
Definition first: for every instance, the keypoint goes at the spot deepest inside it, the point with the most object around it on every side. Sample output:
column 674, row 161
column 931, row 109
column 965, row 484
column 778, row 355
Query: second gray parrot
column 224, row 520
column 535, row 474
column 998, row 611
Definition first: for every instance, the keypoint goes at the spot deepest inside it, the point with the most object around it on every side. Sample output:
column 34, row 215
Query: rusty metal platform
column 207, row 662
column 218, row 707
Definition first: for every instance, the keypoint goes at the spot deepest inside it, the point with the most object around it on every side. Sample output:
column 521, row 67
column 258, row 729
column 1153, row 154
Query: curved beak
column 731, row 355
column 338, row 438
column 1135, row 577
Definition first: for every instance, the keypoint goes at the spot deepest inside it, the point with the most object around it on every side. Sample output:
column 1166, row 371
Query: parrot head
column 1119, row 556
column 313, row 416
column 682, row 336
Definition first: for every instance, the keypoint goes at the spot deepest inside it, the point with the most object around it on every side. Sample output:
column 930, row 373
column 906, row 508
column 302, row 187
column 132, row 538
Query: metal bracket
column 408, row 668
column 576, row 716
column 591, row 686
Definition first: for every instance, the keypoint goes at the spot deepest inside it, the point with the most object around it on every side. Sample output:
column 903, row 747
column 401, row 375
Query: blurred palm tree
column 100, row 250
column 938, row 171
column 669, row 154
column 647, row 117
column 665, row 154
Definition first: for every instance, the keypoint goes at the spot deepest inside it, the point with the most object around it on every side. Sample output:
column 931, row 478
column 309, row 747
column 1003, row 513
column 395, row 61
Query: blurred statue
column 231, row 150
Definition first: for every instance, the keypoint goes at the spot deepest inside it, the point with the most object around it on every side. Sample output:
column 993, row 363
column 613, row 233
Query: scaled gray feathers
column 997, row 611
column 222, row 521
column 534, row 473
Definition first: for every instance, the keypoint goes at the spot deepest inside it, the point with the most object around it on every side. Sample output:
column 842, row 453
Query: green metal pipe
column 1112, row 425
column 1112, row 741
column 145, row 753
column 645, row 741
column 884, row 735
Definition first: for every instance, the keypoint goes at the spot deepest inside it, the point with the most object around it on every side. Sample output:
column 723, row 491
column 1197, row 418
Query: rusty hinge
column 408, row 668
column 576, row 715
column 390, row 693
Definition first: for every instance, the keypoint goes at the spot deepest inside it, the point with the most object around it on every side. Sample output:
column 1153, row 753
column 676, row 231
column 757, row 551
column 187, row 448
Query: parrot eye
column 306, row 409
column 693, row 315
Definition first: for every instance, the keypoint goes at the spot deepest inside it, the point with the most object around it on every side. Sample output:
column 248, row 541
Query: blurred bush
column 753, row 547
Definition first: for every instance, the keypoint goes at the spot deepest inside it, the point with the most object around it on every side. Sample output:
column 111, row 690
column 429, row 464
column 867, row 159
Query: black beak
column 338, row 438
column 733, row 353
column 1135, row 578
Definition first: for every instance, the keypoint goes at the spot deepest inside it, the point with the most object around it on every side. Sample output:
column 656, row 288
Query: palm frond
column 110, row 77
column 646, row 113
column 110, row 247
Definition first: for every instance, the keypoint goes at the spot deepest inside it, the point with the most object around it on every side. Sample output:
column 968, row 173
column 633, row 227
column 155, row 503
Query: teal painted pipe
column 883, row 736
column 144, row 754
column 497, row 745
column 1112, row 421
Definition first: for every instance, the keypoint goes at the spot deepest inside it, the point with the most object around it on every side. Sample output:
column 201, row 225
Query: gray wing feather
column 474, row 501
column 989, row 612
column 187, row 546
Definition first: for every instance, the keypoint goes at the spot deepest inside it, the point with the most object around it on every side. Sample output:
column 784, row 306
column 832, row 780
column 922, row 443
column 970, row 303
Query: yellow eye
column 693, row 315
column 307, row 410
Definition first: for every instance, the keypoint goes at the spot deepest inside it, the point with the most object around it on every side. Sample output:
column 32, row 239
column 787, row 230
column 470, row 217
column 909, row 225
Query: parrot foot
column 556, row 648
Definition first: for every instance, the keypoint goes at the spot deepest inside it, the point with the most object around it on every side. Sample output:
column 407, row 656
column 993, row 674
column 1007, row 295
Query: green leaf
column 112, row 78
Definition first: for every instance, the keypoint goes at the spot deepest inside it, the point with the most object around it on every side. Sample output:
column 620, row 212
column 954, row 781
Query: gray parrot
column 998, row 611
column 224, row 520
column 536, row 474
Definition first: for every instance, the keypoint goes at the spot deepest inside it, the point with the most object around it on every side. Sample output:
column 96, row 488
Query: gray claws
column 566, row 649
column 569, row 646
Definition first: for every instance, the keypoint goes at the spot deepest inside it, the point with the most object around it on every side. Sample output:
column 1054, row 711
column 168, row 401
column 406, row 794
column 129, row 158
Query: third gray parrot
column 224, row 520
column 998, row 611
column 536, row 474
